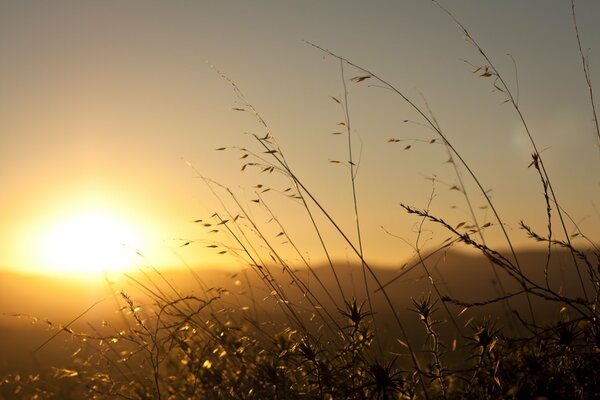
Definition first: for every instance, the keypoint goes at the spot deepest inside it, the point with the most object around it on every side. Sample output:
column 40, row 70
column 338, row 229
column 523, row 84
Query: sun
column 89, row 242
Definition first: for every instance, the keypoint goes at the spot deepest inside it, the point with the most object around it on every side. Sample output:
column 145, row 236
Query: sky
column 104, row 105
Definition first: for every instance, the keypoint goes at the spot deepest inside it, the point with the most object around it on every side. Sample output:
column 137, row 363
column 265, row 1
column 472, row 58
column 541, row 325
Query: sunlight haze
column 110, row 112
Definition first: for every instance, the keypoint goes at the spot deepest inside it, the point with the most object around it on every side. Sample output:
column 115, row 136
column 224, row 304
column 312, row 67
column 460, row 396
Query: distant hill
column 462, row 276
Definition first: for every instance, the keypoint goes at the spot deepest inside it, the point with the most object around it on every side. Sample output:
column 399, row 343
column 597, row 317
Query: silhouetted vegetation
column 299, row 337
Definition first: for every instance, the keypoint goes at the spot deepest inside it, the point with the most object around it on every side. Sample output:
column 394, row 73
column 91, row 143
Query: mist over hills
column 27, row 302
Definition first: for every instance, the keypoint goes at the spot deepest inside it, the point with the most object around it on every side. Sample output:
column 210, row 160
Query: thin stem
column 355, row 202
column 586, row 72
column 517, row 109
column 443, row 137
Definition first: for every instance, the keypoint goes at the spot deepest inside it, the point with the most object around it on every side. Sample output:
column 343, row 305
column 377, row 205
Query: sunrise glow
column 90, row 242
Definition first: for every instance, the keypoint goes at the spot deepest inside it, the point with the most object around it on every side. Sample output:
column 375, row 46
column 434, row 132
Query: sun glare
column 91, row 242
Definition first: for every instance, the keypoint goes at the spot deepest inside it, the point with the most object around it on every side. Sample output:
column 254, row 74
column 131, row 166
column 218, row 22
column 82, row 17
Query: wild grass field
column 463, row 319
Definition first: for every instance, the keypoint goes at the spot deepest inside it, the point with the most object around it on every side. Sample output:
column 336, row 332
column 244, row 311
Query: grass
column 307, row 337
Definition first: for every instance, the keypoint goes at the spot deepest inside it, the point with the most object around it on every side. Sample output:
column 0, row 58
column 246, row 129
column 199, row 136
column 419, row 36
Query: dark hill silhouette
column 467, row 277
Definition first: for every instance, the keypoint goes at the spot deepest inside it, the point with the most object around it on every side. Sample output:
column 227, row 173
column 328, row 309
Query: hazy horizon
column 104, row 104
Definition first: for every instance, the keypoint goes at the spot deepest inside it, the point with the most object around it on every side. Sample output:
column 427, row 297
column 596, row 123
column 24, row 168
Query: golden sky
column 104, row 103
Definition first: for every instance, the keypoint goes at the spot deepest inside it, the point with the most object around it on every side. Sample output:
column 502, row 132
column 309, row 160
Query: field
column 472, row 313
column 72, row 360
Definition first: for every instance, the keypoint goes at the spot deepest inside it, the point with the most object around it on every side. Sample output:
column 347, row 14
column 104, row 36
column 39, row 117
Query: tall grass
column 300, row 338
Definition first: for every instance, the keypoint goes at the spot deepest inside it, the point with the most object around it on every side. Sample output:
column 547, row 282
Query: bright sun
column 90, row 242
